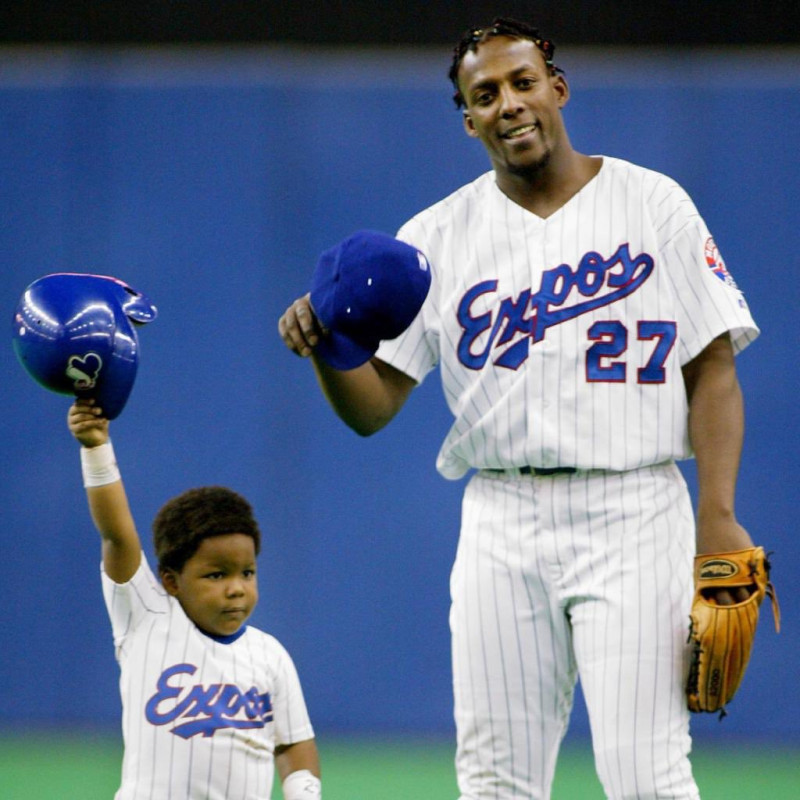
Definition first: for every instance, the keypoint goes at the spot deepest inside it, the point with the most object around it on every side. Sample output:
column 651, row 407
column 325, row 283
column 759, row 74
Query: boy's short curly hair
column 184, row 521
column 501, row 26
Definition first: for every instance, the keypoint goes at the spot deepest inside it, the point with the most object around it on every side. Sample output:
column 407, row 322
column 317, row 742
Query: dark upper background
column 394, row 22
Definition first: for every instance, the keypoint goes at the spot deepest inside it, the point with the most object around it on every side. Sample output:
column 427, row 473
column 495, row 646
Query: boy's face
column 217, row 586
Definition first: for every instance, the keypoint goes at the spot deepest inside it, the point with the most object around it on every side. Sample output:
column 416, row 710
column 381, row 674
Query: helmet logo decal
column 83, row 370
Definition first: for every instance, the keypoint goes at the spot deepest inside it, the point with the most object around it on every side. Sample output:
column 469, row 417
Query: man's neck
column 546, row 189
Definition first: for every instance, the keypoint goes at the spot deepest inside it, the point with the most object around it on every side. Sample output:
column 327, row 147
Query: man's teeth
column 512, row 134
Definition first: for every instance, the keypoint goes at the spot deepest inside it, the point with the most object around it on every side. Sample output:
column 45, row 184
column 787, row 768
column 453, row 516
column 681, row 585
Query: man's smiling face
column 513, row 103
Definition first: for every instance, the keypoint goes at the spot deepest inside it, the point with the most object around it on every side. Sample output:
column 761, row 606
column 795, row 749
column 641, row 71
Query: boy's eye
column 249, row 573
column 214, row 575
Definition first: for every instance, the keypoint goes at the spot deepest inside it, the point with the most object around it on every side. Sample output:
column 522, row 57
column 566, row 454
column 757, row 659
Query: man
column 585, row 325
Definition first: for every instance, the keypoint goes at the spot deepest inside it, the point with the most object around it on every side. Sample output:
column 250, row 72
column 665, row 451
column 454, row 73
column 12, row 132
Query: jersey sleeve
column 292, row 723
column 416, row 351
column 709, row 302
column 128, row 604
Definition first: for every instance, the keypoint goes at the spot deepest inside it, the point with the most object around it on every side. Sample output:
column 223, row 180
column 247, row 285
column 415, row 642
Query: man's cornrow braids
column 501, row 26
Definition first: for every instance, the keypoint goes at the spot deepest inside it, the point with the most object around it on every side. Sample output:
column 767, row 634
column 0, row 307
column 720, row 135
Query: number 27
column 611, row 341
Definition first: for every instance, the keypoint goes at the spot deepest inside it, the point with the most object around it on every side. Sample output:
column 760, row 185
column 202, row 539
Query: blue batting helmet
column 75, row 334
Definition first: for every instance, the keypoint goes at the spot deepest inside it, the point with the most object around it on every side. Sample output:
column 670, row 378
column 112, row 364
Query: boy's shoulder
column 255, row 637
column 265, row 653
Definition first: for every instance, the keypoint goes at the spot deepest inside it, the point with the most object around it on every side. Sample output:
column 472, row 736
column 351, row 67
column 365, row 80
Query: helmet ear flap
column 76, row 334
column 135, row 305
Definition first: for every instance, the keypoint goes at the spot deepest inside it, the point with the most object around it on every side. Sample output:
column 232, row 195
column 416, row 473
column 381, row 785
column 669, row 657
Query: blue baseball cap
column 367, row 288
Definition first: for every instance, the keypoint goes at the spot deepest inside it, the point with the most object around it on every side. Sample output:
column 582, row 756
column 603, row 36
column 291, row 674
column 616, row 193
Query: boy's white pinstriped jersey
column 202, row 715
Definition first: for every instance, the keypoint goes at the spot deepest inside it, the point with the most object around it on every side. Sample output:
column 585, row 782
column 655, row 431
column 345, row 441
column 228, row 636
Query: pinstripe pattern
column 592, row 572
column 152, row 634
column 544, row 412
column 588, row 573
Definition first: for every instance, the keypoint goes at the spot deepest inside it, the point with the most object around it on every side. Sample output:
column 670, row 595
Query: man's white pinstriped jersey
column 561, row 342
column 592, row 310
column 202, row 715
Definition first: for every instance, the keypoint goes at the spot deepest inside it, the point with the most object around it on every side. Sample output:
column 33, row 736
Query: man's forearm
column 365, row 398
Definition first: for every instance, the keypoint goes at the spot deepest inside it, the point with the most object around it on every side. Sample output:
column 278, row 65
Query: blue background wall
column 211, row 180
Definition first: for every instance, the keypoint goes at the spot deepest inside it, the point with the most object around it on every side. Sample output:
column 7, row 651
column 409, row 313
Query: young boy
column 210, row 705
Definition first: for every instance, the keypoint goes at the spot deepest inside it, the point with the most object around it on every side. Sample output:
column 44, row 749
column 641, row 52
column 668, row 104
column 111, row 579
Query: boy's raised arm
column 108, row 503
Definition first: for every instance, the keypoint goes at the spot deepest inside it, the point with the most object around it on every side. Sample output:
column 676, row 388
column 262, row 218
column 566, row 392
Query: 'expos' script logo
column 205, row 709
column 600, row 281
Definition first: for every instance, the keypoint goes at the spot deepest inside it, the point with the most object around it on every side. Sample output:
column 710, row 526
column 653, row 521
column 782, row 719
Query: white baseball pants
column 559, row 577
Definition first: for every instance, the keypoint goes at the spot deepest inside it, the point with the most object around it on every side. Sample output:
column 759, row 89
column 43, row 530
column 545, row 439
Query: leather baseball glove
column 722, row 636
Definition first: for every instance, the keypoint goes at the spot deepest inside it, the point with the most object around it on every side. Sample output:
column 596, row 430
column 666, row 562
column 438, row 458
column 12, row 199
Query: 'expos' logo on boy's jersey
column 596, row 281
column 205, row 709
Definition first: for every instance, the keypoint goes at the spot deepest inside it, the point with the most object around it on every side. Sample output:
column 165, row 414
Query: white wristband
column 99, row 465
column 302, row 785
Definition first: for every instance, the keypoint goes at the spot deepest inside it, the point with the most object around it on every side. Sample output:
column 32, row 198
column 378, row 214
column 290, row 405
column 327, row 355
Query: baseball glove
column 722, row 636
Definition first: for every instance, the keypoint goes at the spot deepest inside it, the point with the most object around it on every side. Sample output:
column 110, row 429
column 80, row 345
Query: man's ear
column 562, row 89
column 468, row 126
column 169, row 580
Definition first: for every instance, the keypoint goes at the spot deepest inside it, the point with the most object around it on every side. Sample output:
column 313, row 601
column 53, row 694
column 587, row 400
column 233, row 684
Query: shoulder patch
column 717, row 265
